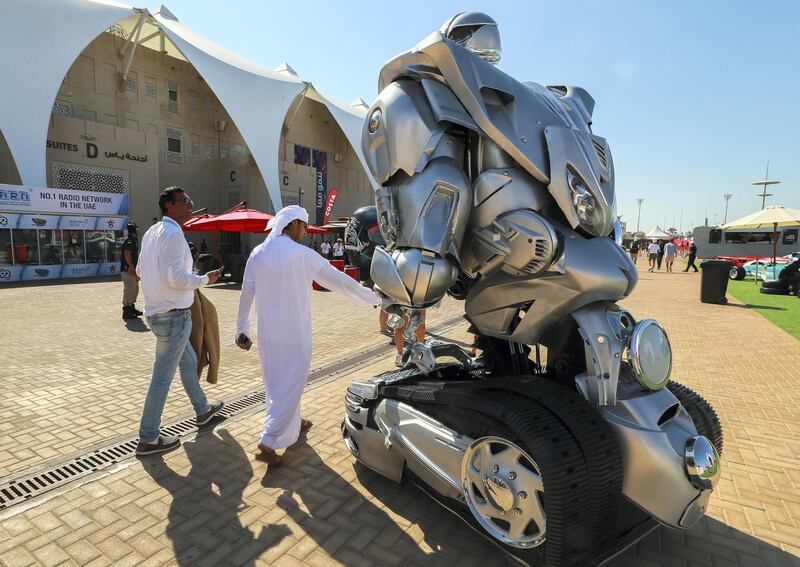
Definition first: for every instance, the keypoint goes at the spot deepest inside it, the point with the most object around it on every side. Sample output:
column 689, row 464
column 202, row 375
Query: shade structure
column 188, row 225
column 237, row 220
column 770, row 217
column 657, row 233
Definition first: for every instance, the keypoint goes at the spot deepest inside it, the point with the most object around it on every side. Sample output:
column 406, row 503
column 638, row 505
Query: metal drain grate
column 30, row 484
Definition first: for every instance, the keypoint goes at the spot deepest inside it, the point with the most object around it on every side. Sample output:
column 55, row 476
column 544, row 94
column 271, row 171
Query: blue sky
column 694, row 97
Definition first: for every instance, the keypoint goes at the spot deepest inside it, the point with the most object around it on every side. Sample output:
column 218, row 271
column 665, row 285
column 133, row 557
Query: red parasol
column 188, row 225
column 238, row 219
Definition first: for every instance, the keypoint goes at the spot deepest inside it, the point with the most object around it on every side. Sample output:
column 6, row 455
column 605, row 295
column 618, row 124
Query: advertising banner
column 332, row 194
column 10, row 273
column 20, row 198
column 78, row 270
column 65, row 222
column 108, row 269
column 320, row 162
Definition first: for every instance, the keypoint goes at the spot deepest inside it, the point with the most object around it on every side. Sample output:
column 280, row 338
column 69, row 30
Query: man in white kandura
column 279, row 274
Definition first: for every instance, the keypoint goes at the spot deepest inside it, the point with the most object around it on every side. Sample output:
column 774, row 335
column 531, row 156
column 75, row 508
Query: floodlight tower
column 727, row 198
column 638, row 218
column 766, row 181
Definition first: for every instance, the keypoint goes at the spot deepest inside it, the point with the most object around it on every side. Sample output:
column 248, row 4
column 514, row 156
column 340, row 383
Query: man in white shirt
column 670, row 251
column 338, row 249
column 168, row 284
column 652, row 255
column 278, row 275
column 325, row 249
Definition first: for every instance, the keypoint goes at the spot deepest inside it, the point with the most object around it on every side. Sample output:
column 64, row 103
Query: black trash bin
column 714, row 281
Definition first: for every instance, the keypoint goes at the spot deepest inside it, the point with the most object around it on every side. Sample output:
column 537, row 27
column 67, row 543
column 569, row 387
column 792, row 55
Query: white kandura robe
column 279, row 275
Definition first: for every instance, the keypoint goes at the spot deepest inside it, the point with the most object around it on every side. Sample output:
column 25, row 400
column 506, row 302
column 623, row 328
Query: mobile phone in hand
column 244, row 341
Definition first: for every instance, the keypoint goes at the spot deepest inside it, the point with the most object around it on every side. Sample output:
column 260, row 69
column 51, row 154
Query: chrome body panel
column 520, row 310
column 432, row 451
column 653, row 457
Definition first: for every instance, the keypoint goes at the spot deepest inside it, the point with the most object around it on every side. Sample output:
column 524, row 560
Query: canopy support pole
column 138, row 31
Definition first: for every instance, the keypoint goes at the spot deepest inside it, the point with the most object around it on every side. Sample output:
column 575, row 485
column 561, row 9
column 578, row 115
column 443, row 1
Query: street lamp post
column 727, row 198
column 300, row 193
column 639, row 217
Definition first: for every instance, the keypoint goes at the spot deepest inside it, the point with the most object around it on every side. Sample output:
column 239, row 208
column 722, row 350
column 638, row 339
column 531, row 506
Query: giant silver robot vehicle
column 566, row 440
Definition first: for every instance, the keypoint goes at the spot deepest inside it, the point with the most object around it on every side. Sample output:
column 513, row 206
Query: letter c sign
column 232, row 175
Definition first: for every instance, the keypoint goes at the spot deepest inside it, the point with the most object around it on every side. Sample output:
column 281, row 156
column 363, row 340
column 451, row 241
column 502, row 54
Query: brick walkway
column 210, row 503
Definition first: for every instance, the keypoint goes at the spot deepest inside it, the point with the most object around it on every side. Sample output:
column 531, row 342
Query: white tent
column 39, row 41
column 48, row 35
column 657, row 233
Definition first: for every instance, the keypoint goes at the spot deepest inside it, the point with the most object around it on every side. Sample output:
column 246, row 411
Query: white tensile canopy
column 256, row 98
column 39, row 42
column 657, row 233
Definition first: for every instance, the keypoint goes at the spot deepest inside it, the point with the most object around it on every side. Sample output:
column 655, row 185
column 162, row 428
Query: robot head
column 477, row 32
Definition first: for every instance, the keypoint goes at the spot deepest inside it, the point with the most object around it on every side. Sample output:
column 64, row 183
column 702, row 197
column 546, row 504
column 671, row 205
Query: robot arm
column 424, row 201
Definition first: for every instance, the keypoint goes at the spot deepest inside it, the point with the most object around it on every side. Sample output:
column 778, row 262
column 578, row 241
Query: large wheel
column 704, row 417
column 504, row 490
column 554, row 468
column 737, row 273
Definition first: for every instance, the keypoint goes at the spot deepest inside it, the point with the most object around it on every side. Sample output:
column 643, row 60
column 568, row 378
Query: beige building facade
column 162, row 125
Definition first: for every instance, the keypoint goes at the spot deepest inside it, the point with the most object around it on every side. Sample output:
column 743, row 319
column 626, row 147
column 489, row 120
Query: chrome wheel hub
column 503, row 488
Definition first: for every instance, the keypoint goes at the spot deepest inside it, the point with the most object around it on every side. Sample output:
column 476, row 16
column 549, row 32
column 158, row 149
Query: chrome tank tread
column 581, row 465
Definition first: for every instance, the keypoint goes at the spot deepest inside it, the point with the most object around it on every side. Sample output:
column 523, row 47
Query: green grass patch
column 782, row 310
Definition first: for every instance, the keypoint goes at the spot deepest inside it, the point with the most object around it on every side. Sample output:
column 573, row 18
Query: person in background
column 325, row 249
column 168, row 284
column 127, row 269
column 660, row 257
column 195, row 254
column 203, row 247
column 652, row 255
column 399, row 340
column 634, row 250
column 338, row 249
column 670, row 251
column 692, row 256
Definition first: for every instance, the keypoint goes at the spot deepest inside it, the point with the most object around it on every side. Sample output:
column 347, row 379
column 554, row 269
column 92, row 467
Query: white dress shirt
column 165, row 266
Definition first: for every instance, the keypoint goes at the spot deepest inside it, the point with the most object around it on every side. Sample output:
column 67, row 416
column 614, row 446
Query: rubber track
column 701, row 412
column 570, row 538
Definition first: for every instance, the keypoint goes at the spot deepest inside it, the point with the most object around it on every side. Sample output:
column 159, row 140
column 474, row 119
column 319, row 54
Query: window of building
column 748, row 237
column 150, row 88
column 62, row 107
column 208, row 104
column 209, row 152
column 132, row 82
column 194, row 150
column 174, row 145
column 194, row 100
column 223, row 150
column 172, row 95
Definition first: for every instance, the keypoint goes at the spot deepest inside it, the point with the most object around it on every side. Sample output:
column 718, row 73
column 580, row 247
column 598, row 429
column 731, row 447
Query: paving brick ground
column 68, row 385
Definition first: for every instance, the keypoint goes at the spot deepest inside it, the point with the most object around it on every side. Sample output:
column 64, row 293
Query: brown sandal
column 269, row 456
column 305, row 424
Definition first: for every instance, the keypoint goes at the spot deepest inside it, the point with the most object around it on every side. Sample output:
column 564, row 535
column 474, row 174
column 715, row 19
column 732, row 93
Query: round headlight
column 650, row 354
column 374, row 120
column 589, row 211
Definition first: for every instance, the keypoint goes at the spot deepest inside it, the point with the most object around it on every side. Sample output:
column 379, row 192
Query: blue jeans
column 172, row 332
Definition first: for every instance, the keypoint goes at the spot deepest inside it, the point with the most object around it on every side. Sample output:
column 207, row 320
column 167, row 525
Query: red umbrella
column 189, row 225
column 239, row 219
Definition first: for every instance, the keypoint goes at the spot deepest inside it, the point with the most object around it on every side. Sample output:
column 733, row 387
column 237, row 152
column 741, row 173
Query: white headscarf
column 281, row 220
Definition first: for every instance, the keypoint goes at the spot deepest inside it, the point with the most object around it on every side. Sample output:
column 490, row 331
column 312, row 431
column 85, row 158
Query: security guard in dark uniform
column 130, row 280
